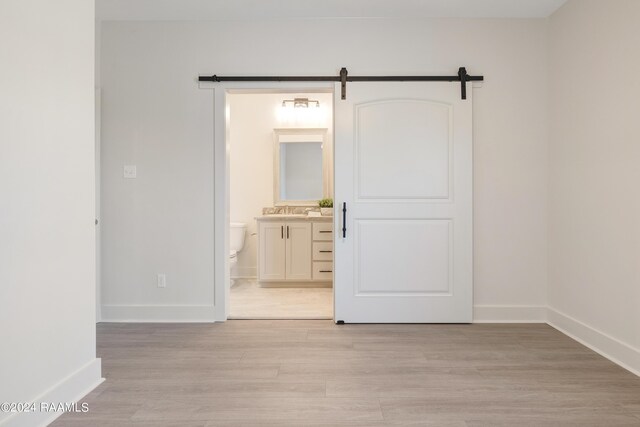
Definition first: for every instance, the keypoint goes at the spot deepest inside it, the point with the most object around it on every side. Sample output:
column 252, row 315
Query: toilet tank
column 236, row 236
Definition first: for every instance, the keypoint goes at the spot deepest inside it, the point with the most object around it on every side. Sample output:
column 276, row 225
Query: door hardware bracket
column 343, row 82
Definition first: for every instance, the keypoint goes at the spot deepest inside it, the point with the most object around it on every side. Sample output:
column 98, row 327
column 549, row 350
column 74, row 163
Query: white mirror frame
column 322, row 134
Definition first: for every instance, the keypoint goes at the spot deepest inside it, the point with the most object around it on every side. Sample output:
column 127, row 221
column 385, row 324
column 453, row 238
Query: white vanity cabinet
column 322, row 234
column 297, row 237
column 271, row 251
column 291, row 250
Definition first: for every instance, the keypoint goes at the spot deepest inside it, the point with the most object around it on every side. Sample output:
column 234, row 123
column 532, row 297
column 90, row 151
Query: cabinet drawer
column 322, row 251
column 322, row 231
column 323, row 270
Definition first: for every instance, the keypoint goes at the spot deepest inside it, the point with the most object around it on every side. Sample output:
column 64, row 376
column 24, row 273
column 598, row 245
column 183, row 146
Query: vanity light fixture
column 301, row 102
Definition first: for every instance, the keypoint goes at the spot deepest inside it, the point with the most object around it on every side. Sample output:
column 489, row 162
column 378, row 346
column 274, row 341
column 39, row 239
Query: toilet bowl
column 233, row 258
column 236, row 242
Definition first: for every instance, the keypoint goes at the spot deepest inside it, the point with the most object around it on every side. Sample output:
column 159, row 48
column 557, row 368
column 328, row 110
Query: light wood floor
column 294, row 373
column 250, row 301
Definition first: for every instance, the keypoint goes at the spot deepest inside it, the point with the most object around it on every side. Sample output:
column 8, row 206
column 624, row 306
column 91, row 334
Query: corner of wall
column 613, row 349
column 70, row 390
column 578, row 136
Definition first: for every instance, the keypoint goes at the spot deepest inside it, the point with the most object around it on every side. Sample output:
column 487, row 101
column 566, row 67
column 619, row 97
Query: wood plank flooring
column 314, row 373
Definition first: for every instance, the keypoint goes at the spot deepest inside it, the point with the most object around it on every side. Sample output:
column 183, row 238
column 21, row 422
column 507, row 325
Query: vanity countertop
column 294, row 217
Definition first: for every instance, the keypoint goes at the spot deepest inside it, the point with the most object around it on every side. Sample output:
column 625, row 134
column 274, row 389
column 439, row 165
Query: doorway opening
column 279, row 167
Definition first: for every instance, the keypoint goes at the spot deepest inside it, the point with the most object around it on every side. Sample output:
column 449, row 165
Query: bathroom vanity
column 295, row 250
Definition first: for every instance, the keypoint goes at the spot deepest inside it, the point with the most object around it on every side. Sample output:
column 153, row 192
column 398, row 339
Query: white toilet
column 236, row 242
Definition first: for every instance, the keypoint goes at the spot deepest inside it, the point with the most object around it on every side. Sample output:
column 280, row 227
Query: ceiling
column 162, row 10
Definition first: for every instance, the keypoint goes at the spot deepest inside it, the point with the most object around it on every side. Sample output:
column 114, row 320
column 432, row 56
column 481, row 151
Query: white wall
column 594, row 220
column 47, row 241
column 154, row 115
column 253, row 119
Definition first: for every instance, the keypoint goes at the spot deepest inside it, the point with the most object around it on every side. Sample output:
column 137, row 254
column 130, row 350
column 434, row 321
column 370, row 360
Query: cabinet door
column 271, row 252
column 298, row 238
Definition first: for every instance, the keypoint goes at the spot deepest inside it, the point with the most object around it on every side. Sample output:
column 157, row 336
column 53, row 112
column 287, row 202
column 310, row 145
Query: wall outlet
column 130, row 171
column 162, row 280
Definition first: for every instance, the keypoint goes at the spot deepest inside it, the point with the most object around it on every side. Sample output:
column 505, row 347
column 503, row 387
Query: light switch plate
column 162, row 280
column 130, row 171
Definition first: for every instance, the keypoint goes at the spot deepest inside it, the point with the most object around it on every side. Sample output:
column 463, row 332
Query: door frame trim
column 221, row 177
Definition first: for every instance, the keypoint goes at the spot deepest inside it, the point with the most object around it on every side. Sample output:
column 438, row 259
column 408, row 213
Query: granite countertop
column 293, row 217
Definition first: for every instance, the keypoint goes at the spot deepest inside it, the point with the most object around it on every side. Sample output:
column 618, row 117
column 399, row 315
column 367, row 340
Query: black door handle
column 282, row 231
column 287, row 231
column 344, row 220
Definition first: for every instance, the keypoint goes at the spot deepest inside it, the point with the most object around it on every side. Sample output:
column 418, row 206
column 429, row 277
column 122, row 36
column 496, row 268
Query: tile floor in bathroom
column 250, row 301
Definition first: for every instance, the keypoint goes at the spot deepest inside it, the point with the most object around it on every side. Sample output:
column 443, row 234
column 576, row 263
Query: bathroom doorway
column 279, row 172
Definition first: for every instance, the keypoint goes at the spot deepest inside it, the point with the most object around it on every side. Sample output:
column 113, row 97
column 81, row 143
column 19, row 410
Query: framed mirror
column 300, row 172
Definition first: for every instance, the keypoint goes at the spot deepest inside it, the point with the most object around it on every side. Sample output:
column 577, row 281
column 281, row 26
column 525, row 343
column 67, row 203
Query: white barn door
column 403, row 166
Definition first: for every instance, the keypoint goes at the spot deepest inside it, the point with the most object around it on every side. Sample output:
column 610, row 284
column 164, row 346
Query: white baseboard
column 206, row 313
column 295, row 285
column 613, row 349
column 158, row 313
column 71, row 389
column 244, row 272
column 509, row 314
